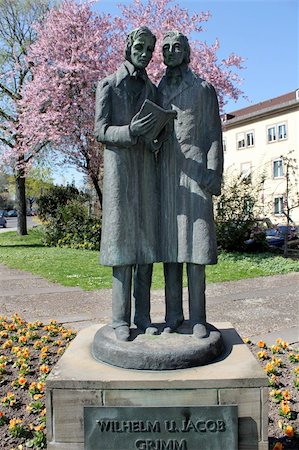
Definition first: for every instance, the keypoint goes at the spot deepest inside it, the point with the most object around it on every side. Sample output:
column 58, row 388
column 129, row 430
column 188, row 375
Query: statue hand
column 140, row 127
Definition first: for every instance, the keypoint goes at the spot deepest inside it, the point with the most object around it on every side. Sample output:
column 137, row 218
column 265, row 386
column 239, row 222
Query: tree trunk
column 21, row 204
column 97, row 187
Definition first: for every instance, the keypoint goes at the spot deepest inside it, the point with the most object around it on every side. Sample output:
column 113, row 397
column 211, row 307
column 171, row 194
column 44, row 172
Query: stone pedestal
column 78, row 380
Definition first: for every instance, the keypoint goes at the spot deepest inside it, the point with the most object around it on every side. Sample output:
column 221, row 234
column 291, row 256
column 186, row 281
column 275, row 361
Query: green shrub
column 66, row 220
column 71, row 227
column 235, row 214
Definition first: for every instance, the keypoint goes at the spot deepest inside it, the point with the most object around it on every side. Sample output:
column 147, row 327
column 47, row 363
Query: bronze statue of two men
column 157, row 197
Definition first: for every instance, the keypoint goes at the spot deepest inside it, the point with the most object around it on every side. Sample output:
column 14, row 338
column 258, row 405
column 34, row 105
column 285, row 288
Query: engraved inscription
column 129, row 426
column 198, row 426
column 161, row 428
column 159, row 444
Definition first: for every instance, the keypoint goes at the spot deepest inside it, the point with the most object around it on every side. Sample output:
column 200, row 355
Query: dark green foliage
column 235, row 216
column 66, row 220
column 56, row 197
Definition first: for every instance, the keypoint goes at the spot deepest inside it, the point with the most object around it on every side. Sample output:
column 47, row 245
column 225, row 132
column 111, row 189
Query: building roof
column 262, row 108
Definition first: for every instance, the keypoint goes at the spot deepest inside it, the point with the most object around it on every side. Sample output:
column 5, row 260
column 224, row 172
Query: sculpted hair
column 133, row 36
column 184, row 41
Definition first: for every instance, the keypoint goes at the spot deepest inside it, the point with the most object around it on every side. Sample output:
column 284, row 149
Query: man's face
column 173, row 51
column 141, row 51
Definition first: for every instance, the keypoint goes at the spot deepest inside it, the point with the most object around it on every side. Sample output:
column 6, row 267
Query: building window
column 250, row 139
column 245, row 139
column 246, row 171
column 278, row 205
column 271, row 134
column 277, row 132
column 241, row 140
column 282, row 131
column 224, row 144
column 278, row 168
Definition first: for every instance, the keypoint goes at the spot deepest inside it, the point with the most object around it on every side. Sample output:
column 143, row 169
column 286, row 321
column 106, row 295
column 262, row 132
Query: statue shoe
column 151, row 330
column 122, row 333
column 147, row 327
column 171, row 327
column 200, row 330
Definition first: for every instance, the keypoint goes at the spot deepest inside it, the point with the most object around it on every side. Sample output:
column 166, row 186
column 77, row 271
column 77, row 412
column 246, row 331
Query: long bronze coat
column 129, row 227
column 191, row 166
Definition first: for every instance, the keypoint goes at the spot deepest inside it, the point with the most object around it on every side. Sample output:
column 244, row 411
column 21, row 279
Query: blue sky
column 264, row 32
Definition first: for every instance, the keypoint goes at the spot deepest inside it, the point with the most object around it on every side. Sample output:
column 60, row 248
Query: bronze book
column 163, row 116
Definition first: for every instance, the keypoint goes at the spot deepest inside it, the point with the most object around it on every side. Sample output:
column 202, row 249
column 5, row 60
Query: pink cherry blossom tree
column 16, row 35
column 72, row 51
column 165, row 15
column 76, row 47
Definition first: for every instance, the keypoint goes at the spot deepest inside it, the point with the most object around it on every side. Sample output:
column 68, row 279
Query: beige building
column 259, row 141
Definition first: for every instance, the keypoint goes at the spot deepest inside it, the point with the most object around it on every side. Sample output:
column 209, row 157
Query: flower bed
column 29, row 350
column 281, row 363
column 27, row 353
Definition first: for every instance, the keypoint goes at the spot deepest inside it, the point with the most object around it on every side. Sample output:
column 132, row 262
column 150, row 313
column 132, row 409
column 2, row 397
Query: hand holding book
column 153, row 119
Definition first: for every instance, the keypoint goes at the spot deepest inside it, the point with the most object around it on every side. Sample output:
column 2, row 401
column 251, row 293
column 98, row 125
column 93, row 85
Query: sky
column 264, row 32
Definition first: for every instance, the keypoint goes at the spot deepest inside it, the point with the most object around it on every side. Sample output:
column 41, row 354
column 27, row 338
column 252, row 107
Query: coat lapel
column 169, row 92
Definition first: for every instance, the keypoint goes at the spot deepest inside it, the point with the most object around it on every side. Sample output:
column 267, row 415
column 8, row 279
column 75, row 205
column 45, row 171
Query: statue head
column 140, row 45
column 176, row 49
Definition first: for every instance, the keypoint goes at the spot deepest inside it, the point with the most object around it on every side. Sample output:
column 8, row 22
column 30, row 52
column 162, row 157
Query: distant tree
column 38, row 181
column 16, row 35
column 235, row 211
column 291, row 196
column 76, row 47
column 55, row 197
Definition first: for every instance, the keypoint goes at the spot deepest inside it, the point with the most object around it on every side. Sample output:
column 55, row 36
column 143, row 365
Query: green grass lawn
column 72, row 267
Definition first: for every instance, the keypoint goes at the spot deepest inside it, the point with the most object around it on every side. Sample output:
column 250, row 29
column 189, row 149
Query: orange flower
column 270, row 368
column 44, row 368
column 261, row 344
column 289, row 431
column 278, row 446
column 22, row 339
column 7, row 344
column 286, row 395
column 37, row 396
column 279, row 341
column 13, row 422
column 22, row 381
column 262, row 354
column 277, row 362
column 284, row 407
column 39, row 427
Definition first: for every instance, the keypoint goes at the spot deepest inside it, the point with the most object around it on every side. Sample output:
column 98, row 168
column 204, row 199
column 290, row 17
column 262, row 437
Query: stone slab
column 78, row 380
column 236, row 367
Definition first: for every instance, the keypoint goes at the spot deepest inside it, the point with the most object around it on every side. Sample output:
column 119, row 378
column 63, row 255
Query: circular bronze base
column 166, row 351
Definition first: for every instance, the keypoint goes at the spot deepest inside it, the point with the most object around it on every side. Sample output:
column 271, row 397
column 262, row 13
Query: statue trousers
column 173, row 274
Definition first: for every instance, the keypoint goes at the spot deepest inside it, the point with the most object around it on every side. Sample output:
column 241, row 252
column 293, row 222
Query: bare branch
column 6, row 142
column 11, row 94
column 37, row 149
column 6, row 116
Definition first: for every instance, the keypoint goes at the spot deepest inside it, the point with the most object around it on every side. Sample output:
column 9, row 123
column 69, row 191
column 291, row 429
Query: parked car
column 3, row 221
column 265, row 233
column 276, row 236
column 3, row 212
column 12, row 213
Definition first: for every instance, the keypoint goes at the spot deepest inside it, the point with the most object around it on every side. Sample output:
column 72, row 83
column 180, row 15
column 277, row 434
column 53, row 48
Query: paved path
column 11, row 224
column 264, row 307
